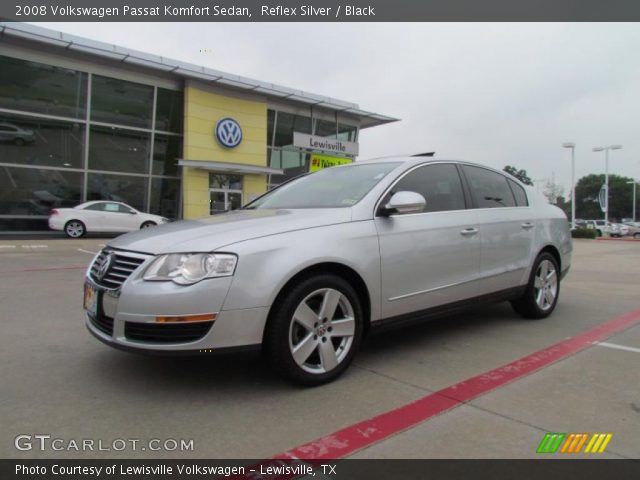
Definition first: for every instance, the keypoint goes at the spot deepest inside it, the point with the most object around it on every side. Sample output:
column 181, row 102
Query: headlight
column 188, row 268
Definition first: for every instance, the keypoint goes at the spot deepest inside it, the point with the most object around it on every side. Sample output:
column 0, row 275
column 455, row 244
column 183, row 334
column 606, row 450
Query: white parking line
column 87, row 251
column 8, row 246
column 34, row 246
column 617, row 347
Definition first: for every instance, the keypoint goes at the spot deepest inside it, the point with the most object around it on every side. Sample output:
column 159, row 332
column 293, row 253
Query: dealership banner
column 319, row 10
column 318, row 470
column 318, row 162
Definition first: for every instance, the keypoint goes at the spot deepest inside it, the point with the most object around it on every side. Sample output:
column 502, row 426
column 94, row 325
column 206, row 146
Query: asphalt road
column 57, row 380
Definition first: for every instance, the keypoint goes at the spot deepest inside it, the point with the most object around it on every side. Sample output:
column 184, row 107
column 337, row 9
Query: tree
column 553, row 191
column 519, row 174
column 620, row 197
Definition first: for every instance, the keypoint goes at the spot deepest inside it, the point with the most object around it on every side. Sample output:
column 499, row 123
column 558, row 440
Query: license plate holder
column 90, row 302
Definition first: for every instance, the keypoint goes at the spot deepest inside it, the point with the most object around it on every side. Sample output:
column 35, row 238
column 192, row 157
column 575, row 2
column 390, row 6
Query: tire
column 636, row 235
column 534, row 302
column 297, row 325
column 148, row 224
column 75, row 229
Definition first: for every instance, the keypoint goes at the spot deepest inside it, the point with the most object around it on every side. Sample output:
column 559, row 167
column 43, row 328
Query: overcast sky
column 498, row 94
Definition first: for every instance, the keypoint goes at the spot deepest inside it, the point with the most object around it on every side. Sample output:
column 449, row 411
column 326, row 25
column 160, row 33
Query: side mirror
column 405, row 202
column 133, row 212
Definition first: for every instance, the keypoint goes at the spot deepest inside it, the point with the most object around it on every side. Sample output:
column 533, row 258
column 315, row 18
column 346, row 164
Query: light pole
column 634, row 199
column 572, row 146
column 606, row 176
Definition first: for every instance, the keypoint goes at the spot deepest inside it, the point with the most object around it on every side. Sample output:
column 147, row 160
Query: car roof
column 409, row 161
column 93, row 202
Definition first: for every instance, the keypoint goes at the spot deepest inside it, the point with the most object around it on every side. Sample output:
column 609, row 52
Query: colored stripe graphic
column 550, row 442
column 580, row 443
column 598, row 443
column 573, row 443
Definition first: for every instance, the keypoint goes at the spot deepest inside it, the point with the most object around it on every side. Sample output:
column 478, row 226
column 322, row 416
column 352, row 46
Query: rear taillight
column 54, row 212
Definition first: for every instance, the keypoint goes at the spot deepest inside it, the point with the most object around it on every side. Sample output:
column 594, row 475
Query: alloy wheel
column 545, row 285
column 321, row 330
column 75, row 229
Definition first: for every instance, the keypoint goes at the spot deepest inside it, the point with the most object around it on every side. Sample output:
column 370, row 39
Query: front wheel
column 315, row 330
column 541, row 296
column 74, row 229
column 148, row 224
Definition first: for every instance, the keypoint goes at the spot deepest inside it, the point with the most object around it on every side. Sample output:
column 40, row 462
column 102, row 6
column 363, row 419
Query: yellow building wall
column 202, row 110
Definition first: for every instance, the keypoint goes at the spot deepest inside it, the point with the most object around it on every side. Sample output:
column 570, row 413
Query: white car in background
column 101, row 216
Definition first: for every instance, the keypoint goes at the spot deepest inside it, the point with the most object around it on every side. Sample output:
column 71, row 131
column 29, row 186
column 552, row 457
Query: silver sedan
column 306, row 270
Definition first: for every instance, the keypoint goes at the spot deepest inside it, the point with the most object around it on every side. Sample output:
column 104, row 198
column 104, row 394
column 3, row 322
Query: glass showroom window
column 119, row 150
column 40, row 88
column 347, row 132
column 32, row 191
column 165, row 197
column 169, row 110
column 286, row 124
column 166, row 151
column 39, row 141
column 120, row 102
column 120, row 188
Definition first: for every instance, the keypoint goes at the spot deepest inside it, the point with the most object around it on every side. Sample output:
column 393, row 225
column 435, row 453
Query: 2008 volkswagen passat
column 308, row 268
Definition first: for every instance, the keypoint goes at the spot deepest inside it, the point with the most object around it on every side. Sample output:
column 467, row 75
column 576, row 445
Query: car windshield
column 330, row 188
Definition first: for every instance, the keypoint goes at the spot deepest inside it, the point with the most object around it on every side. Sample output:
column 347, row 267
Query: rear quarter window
column 519, row 194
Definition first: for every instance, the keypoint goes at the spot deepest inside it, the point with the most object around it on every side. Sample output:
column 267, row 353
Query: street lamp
column 572, row 146
column 634, row 199
column 606, row 176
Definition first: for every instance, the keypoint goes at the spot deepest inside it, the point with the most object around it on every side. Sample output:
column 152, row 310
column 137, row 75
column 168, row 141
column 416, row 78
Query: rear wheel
column 636, row 235
column 148, row 224
column 74, row 229
column 541, row 296
column 315, row 330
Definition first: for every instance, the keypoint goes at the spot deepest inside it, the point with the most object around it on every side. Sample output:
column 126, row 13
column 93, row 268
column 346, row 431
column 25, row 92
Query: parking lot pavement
column 58, row 380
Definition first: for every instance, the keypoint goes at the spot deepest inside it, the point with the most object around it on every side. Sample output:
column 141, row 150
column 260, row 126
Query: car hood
column 211, row 233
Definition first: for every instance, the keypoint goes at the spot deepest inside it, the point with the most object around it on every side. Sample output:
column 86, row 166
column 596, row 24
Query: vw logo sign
column 104, row 267
column 228, row 132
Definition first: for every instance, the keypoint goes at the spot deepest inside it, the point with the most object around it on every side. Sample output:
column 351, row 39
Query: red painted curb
column 348, row 440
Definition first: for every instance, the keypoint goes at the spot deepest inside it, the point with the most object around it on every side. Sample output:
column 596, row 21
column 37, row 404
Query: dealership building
column 84, row 120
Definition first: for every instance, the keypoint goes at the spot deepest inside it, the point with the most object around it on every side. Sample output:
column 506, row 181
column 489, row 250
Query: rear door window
column 489, row 189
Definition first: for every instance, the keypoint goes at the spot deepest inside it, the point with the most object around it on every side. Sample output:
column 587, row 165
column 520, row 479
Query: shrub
column 584, row 233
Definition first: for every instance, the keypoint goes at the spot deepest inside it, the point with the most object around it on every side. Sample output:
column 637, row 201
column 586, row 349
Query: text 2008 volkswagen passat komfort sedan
column 308, row 268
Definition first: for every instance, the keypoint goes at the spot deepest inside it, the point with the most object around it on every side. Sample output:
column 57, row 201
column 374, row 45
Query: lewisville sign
column 330, row 145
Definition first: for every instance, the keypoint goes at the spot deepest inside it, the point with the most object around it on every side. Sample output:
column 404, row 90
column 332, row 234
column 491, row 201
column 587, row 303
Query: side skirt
column 446, row 310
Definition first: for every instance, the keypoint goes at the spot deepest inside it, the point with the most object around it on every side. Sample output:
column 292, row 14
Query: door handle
column 527, row 225
column 468, row 232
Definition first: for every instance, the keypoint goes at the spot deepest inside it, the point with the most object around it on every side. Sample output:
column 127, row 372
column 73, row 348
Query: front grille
column 166, row 332
column 123, row 264
column 102, row 323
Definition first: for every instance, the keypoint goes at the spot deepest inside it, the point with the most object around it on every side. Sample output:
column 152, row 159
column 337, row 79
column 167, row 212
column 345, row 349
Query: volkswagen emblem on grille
column 103, row 268
column 228, row 132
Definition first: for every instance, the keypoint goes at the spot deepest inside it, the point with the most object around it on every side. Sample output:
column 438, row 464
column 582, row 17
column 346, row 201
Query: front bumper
column 126, row 317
